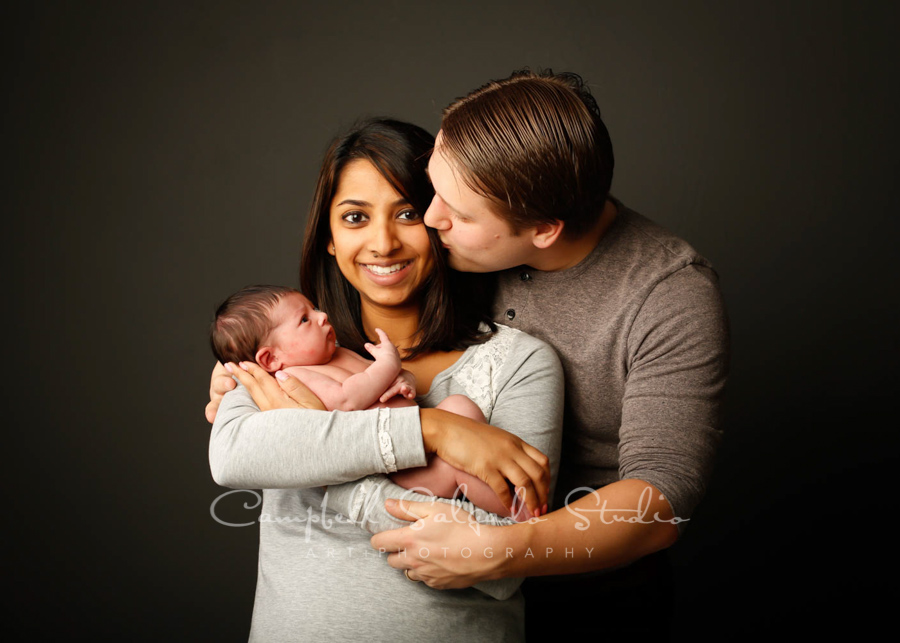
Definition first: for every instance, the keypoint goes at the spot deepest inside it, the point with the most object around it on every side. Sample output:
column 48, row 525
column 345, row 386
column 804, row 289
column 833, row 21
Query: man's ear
column 546, row 234
column 267, row 357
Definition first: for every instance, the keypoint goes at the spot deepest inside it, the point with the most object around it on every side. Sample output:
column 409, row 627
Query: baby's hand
column 385, row 349
column 404, row 385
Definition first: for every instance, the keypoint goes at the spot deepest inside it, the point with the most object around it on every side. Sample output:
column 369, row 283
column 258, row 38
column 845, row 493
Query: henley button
column 510, row 314
column 525, row 276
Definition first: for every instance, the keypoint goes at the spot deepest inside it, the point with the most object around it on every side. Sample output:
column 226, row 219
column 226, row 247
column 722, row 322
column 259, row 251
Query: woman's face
column 378, row 239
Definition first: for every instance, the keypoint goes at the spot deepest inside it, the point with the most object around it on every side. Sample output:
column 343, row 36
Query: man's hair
column 243, row 321
column 533, row 143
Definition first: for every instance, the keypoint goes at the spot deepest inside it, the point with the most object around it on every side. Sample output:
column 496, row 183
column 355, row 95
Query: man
column 521, row 170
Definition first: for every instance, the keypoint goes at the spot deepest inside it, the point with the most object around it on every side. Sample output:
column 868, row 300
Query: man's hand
column 285, row 392
column 445, row 548
column 489, row 454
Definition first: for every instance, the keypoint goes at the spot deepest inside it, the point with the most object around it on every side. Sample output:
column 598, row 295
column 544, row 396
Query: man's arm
column 608, row 528
column 670, row 429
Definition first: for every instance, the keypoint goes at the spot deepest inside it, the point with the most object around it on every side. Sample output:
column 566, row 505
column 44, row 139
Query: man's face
column 476, row 239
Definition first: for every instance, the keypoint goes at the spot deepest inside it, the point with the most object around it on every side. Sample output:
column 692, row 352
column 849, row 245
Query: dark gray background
column 161, row 155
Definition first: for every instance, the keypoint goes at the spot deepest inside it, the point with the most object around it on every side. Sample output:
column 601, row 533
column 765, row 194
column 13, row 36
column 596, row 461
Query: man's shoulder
column 631, row 259
column 638, row 240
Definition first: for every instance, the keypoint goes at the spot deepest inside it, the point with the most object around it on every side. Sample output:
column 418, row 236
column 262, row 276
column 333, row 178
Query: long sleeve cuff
column 400, row 438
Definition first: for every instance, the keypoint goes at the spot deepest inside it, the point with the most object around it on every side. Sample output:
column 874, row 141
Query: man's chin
column 464, row 265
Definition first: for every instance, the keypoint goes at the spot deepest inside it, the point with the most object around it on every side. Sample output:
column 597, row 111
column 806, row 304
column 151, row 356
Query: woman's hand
column 489, row 454
column 219, row 384
column 445, row 548
column 285, row 392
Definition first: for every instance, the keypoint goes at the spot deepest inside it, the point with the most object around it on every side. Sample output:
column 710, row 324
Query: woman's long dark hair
column 452, row 304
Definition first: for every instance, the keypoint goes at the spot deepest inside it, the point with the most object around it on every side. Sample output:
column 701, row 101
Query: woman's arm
column 295, row 448
column 528, row 406
column 530, row 403
column 298, row 448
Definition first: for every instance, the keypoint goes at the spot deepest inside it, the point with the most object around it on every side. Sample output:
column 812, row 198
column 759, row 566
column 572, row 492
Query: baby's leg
column 461, row 405
column 437, row 478
column 477, row 491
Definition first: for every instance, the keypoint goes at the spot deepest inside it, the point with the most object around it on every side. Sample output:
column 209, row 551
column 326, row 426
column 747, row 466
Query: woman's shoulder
column 511, row 342
column 509, row 355
column 509, row 350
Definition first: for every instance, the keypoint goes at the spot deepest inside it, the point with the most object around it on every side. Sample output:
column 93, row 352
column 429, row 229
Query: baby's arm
column 360, row 390
column 404, row 385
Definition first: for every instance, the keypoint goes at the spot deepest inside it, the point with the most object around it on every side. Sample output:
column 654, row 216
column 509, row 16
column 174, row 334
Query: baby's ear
column 267, row 358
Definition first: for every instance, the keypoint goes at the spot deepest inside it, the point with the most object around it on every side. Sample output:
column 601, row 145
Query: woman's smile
column 393, row 270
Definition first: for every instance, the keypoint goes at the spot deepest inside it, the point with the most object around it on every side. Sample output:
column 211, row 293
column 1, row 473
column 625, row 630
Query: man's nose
column 434, row 217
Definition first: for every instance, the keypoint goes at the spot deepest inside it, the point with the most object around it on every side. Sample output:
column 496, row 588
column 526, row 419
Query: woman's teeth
column 386, row 270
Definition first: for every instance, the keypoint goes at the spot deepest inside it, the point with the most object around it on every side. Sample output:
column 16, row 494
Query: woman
column 369, row 261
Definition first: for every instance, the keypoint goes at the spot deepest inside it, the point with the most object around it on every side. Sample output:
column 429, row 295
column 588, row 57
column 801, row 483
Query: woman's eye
column 353, row 218
column 409, row 215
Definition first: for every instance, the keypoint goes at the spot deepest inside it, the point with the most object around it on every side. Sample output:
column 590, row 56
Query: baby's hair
column 243, row 321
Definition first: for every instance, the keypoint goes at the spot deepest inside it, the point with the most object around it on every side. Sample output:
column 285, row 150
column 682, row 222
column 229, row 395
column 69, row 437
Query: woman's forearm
column 489, row 453
column 298, row 448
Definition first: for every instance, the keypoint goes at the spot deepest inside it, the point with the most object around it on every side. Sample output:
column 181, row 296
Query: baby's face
column 302, row 335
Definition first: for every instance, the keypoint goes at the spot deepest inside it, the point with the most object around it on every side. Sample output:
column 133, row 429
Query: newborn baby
column 280, row 329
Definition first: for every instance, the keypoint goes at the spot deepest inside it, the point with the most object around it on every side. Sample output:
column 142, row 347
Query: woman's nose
column 384, row 239
column 435, row 217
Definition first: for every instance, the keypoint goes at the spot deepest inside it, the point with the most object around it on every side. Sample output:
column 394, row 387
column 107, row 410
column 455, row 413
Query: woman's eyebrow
column 366, row 204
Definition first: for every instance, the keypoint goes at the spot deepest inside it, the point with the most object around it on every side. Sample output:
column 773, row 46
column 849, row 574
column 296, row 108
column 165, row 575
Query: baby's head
column 275, row 327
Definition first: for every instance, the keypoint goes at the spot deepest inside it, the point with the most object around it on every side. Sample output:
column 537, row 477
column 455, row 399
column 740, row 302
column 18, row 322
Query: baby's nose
column 323, row 317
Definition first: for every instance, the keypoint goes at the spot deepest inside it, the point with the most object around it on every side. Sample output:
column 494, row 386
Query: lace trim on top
column 384, row 440
column 480, row 375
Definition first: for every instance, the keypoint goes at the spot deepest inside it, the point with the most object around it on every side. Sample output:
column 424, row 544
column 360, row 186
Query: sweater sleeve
column 529, row 404
column 298, row 448
column 671, row 413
